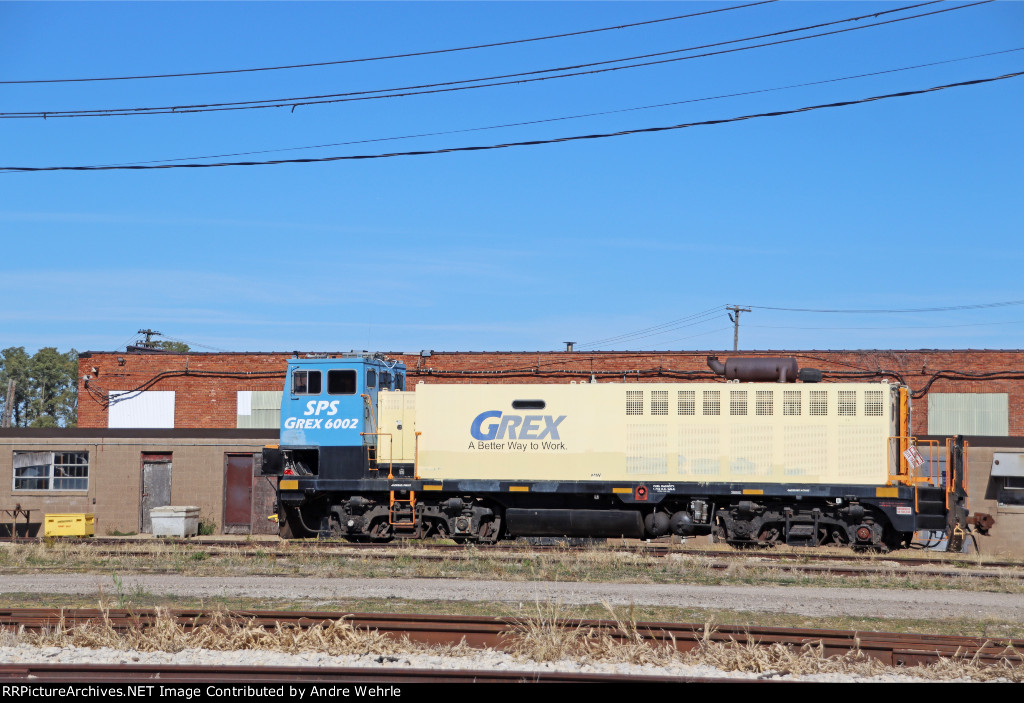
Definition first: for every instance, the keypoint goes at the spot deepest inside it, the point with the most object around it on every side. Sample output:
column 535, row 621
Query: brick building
column 962, row 391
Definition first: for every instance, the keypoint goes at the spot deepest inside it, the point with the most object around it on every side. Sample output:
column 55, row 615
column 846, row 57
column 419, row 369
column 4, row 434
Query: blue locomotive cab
column 328, row 416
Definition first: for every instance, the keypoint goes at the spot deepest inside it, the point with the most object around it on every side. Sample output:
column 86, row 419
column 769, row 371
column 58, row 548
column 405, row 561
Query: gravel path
column 944, row 604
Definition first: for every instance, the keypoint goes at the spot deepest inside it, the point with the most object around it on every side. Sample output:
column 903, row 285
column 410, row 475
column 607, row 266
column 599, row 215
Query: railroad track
column 807, row 562
column 260, row 676
column 893, row 649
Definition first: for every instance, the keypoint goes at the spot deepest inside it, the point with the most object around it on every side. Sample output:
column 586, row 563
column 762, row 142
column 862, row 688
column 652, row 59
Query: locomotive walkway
column 862, row 602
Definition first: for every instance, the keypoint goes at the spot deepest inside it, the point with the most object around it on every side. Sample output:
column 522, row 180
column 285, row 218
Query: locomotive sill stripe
column 436, row 487
column 623, row 490
column 520, row 489
column 753, row 492
column 288, row 485
column 889, row 492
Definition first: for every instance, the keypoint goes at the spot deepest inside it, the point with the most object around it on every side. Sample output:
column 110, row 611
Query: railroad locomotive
column 750, row 461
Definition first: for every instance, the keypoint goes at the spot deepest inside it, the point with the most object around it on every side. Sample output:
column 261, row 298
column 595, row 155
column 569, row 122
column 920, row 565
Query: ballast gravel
column 485, row 661
column 313, row 593
column 814, row 602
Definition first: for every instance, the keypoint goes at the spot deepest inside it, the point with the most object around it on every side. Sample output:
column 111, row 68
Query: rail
column 892, row 649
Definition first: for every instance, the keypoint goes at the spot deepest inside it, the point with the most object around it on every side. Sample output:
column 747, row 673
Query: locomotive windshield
column 306, row 383
column 341, row 382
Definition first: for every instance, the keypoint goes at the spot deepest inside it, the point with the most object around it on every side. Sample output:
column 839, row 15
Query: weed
column 122, row 598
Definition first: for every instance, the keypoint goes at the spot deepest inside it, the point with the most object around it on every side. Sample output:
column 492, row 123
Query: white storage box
column 175, row 520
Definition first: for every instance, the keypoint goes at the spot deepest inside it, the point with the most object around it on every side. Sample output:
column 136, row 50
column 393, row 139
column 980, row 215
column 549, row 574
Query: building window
column 969, row 413
column 51, row 471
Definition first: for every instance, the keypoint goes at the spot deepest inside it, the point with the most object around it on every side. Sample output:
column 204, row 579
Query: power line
column 896, row 327
column 391, row 56
column 978, row 306
column 687, row 321
column 575, row 117
column 537, row 142
column 461, row 85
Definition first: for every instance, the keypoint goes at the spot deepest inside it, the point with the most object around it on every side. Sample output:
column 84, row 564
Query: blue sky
column 901, row 204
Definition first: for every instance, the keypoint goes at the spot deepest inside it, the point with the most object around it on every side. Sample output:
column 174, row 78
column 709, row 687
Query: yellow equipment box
column 70, row 525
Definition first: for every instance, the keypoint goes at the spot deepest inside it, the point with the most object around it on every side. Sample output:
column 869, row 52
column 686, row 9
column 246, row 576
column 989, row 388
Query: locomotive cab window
column 371, row 378
column 306, row 383
column 341, row 382
column 399, row 382
column 385, row 380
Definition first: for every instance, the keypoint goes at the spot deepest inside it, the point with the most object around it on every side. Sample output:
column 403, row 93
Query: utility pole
column 149, row 337
column 736, row 324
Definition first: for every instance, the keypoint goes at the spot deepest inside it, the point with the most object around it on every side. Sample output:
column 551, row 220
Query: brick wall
column 206, row 385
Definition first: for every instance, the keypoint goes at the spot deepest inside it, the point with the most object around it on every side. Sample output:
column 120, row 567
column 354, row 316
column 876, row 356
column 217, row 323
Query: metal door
column 156, row 487
column 238, row 493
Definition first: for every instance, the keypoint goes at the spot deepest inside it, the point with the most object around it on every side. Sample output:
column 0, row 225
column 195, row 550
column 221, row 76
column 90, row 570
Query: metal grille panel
column 686, row 402
column 750, row 450
column 659, row 402
column 634, row 402
column 646, row 449
column 700, row 451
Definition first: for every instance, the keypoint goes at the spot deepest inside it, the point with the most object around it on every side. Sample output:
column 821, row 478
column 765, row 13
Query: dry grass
column 541, row 638
column 225, row 631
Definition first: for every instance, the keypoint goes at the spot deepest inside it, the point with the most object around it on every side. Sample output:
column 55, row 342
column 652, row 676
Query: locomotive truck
column 747, row 460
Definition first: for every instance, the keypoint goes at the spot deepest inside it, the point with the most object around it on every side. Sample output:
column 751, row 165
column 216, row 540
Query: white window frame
column 59, row 467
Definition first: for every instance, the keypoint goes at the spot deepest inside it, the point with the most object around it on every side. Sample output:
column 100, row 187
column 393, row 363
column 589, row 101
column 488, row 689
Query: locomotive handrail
column 910, row 475
column 391, row 450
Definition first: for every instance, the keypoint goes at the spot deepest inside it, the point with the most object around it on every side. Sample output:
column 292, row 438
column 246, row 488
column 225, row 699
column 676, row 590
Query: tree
column 54, row 399
column 15, row 365
column 46, row 386
column 167, row 345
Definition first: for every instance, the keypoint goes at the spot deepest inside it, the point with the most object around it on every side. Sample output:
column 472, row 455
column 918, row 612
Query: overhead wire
column 949, row 308
column 388, row 57
column 658, row 329
column 535, row 142
column 572, row 117
column 460, row 85
column 898, row 327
